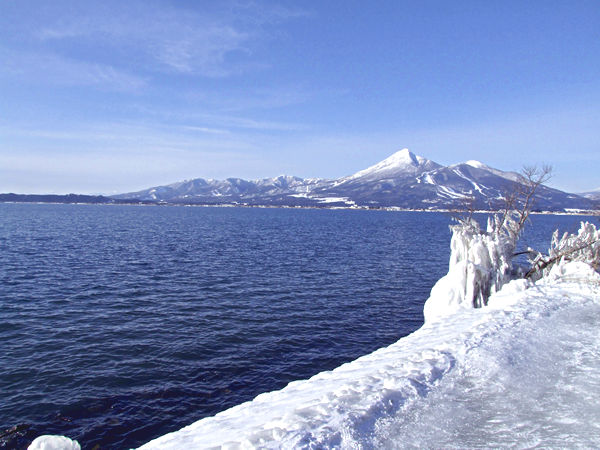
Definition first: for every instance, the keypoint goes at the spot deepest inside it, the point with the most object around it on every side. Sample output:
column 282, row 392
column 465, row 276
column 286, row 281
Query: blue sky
column 113, row 96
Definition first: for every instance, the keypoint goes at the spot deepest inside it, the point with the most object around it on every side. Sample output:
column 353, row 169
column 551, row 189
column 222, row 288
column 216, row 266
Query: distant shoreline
column 231, row 205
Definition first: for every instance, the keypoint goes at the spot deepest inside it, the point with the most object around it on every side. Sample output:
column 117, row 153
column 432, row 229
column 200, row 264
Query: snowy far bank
column 521, row 371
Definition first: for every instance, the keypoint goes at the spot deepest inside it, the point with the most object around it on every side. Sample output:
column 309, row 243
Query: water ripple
column 120, row 324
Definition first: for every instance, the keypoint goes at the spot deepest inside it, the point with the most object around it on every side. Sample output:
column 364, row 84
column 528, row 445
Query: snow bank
column 371, row 402
column 50, row 442
column 480, row 264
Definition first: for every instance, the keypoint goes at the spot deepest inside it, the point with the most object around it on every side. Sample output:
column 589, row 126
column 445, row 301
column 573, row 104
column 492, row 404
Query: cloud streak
column 57, row 70
column 171, row 39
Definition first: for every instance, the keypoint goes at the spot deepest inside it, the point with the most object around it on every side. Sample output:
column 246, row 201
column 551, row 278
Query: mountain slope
column 281, row 190
column 403, row 180
column 592, row 195
column 60, row 198
column 402, row 164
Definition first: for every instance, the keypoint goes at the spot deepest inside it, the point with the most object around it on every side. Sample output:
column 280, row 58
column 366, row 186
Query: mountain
column 281, row 190
column 592, row 195
column 67, row 198
column 402, row 164
column 403, row 180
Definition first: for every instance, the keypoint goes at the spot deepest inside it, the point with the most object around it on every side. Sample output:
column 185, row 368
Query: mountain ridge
column 402, row 180
column 592, row 195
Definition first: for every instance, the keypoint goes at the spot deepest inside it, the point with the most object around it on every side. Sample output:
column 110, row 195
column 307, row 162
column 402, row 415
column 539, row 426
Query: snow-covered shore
column 452, row 374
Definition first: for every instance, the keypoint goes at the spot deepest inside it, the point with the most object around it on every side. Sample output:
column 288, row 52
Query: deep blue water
column 122, row 323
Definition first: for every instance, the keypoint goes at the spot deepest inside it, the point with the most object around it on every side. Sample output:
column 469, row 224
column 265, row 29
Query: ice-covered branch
column 481, row 261
column 583, row 246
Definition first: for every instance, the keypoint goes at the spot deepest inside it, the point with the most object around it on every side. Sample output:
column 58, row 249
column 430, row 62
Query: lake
column 122, row 323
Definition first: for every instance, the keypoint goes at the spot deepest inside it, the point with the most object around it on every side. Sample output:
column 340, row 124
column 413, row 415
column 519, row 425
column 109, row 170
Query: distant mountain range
column 593, row 195
column 56, row 198
column 404, row 180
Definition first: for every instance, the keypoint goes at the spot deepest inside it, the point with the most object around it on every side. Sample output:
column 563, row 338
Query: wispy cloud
column 173, row 39
column 252, row 124
column 136, row 138
column 205, row 129
column 117, row 157
column 260, row 12
column 58, row 70
column 258, row 98
column 201, row 51
column 225, row 121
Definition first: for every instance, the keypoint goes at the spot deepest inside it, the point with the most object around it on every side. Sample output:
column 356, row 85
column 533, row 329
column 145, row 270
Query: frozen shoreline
column 365, row 402
column 333, row 208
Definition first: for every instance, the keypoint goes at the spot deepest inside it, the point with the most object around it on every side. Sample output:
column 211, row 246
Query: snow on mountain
column 211, row 191
column 401, row 163
column 475, row 163
column 468, row 181
column 513, row 176
column 592, row 195
column 403, row 180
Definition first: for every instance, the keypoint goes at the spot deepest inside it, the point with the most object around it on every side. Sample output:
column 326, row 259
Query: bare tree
column 531, row 179
column 481, row 260
column 486, row 255
column 517, row 203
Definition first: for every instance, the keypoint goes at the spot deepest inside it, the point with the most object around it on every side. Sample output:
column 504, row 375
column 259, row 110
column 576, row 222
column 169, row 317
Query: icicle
column 480, row 264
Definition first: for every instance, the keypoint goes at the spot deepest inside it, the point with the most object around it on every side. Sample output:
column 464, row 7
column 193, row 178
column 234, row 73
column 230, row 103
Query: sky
column 112, row 97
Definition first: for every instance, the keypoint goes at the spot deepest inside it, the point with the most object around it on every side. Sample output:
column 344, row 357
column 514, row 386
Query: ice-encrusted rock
column 51, row 442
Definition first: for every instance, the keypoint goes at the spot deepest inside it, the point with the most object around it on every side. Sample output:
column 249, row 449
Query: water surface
column 122, row 323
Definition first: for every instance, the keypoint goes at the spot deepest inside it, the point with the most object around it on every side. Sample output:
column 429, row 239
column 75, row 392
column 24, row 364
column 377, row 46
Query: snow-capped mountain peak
column 401, row 162
column 593, row 194
column 402, row 180
column 402, row 157
column 512, row 176
column 476, row 164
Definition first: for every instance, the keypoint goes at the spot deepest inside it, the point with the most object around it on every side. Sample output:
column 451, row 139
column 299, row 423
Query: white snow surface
column 402, row 162
column 524, row 371
column 51, row 442
column 512, row 176
column 476, row 164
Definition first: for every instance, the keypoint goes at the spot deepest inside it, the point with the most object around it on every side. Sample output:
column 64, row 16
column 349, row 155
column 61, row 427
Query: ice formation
column 583, row 246
column 481, row 261
column 480, row 264
column 50, row 442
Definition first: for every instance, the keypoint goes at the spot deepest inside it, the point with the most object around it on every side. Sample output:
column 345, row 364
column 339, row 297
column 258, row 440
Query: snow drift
column 51, row 442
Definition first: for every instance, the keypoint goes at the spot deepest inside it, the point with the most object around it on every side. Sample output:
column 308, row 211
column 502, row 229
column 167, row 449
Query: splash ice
column 480, row 264
column 52, row 442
